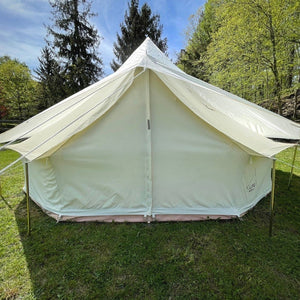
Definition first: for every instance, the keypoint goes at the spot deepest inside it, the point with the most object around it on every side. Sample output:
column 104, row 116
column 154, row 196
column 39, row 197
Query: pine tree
column 138, row 25
column 51, row 80
column 74, row 41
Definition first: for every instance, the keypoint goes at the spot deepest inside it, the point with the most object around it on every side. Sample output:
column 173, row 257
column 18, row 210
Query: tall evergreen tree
column 52, row 83
column 138, row 24
column 74, row 42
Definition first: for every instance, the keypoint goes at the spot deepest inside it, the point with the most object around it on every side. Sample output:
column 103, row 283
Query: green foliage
column 189, row 260
column 3, row 108
column 254, row 47
column 52, row 83
column 17, row 90
column 250, row 48
column 193, row 60
column 138, row 24
column 72, row 61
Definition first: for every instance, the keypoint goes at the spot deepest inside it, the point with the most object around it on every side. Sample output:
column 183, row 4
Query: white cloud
column 25, row 9
column 24, row 51
column 23, row 42
column 22, row 32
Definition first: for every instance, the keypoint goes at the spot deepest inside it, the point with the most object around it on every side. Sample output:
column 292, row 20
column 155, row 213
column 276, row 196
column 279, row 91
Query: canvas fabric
column 150, row 141
column 245, row 123
column 194, row 168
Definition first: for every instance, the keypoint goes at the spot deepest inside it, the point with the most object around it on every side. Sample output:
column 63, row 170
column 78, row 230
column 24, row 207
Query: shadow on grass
column 5, row 202
column 161, row 260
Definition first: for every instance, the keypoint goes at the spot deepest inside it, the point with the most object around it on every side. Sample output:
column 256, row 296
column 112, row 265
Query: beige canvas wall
column 104, row 170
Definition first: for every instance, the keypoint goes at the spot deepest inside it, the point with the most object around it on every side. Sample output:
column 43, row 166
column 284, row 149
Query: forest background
column 247, row 47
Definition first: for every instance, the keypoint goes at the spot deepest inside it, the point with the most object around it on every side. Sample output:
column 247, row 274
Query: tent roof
column 245, row 123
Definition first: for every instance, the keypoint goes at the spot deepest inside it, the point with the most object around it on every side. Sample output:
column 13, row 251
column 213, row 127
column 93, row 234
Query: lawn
column 193, row 260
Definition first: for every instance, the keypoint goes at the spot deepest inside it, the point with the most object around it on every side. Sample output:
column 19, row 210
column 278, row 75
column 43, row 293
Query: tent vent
column 148, row 121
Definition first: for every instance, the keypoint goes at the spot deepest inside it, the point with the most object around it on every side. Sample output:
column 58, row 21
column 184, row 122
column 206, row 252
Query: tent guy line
column 288, row 164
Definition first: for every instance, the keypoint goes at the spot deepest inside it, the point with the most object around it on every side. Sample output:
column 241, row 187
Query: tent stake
column 292, row 169
column 272, row 198
column 27, row 198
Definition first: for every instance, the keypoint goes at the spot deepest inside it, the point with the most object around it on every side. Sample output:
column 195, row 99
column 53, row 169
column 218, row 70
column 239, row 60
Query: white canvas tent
column 150, row 142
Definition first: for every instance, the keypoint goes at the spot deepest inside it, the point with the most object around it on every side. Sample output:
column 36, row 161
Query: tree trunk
column 297, row 92
column 278, row 86
column 290, row 68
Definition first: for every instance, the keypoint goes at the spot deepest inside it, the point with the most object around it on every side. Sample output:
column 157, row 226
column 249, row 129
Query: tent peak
column 146, row 54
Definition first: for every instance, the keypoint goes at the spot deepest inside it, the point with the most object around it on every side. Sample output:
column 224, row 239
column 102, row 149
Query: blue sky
column 22, row 29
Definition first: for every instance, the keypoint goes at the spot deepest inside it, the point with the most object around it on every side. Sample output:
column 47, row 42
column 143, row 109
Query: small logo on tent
column 251, row 187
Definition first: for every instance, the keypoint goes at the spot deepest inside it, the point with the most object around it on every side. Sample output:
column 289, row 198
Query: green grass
column 194, row 260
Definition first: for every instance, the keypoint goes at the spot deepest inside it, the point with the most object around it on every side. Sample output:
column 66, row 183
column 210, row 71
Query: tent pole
column 272, row 198
column 27, row 199
column 292, row 169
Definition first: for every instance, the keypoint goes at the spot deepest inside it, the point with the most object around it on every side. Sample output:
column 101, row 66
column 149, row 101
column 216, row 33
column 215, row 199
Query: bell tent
column 150, row 142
